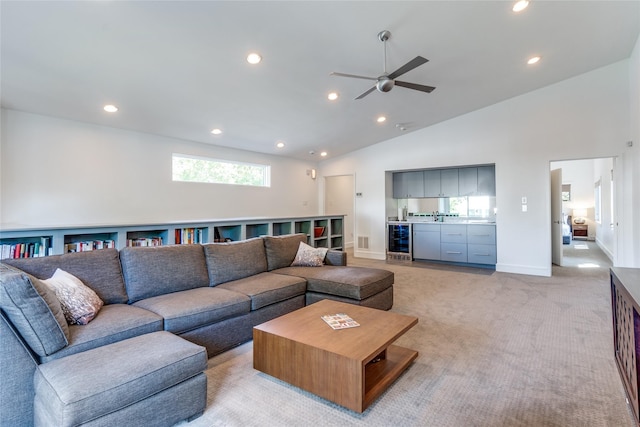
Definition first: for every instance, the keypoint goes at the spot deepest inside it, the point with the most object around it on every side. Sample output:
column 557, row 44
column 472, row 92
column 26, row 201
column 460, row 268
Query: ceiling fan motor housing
column 384, row 84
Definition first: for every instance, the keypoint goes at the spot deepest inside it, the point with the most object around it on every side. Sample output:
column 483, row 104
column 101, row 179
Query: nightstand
column 580, row 230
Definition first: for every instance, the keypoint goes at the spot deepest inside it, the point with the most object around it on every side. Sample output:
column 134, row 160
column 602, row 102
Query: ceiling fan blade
column 353, row 76
column 415, row 86
column 415, row 62
column 366, row 93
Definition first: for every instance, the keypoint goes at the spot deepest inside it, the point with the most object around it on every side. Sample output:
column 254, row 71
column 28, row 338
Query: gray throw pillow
column 33, row 310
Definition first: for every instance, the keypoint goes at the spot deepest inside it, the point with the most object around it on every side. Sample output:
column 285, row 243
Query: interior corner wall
column 631, row 159
column 57, row 172
column 585, row 116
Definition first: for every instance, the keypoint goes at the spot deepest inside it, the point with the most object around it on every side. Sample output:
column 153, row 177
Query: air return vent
column 363, row 242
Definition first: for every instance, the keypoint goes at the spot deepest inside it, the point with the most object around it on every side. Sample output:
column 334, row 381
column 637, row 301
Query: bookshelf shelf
column 59, row 240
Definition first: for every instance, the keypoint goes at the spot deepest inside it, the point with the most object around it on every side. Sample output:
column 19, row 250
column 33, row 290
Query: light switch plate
column 524, row 208
column 524, row 200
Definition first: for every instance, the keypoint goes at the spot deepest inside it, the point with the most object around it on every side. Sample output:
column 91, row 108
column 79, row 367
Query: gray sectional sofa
column 166, row 309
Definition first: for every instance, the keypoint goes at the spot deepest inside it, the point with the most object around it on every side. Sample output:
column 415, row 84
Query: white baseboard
column 524, row 269
column 370, row 255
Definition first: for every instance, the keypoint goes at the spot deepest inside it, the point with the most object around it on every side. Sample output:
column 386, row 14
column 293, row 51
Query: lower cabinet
column 426, row 241
column 454, row 252
column 460, row 243
column 481, row 254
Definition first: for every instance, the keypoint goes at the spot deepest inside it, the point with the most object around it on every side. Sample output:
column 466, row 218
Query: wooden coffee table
column 350, row 367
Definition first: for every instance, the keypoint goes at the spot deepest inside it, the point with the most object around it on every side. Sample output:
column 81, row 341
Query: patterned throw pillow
column 80, row 304
column 309, row 256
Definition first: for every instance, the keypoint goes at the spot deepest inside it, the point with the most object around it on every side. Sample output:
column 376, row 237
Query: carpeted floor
column 496, row 349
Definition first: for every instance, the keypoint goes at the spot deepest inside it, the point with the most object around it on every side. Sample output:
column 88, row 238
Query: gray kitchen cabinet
column 426, row 241
column 432, row 183
column 453, row 243
column 467, row 181
column 449, row 182
column 486, row 181
column 441, row 183
column 481, row 244
column 408, row 184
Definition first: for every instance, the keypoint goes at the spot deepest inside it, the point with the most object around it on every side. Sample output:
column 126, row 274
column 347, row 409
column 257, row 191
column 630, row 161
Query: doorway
column 587, row 209
column 339, row 199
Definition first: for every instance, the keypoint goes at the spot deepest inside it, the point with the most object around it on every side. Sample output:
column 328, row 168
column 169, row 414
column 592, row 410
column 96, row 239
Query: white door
column 556, row 216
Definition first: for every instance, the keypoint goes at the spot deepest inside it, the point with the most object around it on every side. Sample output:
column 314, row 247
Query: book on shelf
column 26, row 249
column 145, row 241
column 188, row 236
column 340, row 321
column 89, row 245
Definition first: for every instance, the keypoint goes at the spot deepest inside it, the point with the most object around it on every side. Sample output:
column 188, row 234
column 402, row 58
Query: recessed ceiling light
column 280, row 144
column 520, row 6
column 323, row 154
column 533, row 60
column 110, row 108
column 381, row 119
column 333, row 96
column 216, row 131
column 253, row 58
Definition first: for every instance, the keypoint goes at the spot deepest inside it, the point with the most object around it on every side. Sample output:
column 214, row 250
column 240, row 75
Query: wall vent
column 363, row 242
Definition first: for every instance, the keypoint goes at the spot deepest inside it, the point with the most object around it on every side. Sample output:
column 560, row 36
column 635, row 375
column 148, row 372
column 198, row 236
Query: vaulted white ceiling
column 178, row 68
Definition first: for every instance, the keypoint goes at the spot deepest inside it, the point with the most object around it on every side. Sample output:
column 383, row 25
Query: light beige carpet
column 496, row 349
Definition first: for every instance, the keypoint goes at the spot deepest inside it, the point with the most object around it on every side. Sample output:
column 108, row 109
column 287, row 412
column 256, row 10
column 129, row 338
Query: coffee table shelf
column 351, row 367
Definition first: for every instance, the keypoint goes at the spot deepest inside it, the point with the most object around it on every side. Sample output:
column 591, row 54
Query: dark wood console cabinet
column 625, row 305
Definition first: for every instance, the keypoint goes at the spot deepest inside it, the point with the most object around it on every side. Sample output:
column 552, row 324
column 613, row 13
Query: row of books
column 89, row 245
column 26, row 249
column 185, row 236
column 145, row 241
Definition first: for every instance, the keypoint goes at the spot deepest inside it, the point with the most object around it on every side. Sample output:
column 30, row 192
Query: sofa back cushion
column 34, row 311
column 281, row 250
column 235, row 260
column 158, row 270
column 100, row 270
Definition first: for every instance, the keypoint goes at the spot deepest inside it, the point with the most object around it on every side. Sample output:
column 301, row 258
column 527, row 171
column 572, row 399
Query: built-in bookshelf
column 32, row 242
column 25, row 247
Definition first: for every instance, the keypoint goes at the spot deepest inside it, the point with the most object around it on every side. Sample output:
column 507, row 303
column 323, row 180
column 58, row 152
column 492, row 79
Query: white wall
column 587, row 114
column 338, row 200
column 630, row 198
column 58, row 172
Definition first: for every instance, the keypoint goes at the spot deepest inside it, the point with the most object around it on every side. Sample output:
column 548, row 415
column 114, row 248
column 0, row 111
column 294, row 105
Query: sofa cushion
column 268, row 288
column 190, row 309
column 234, row 260
column 80, row 304
column 100, row 270
column 34, row 311
column 281, row 250
column 85, row 387
column 351, row 282
column 115, row 322
column 159, row 270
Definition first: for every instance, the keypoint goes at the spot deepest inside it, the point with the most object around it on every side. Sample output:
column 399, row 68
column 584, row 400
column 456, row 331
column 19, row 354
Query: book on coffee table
column 340, row 321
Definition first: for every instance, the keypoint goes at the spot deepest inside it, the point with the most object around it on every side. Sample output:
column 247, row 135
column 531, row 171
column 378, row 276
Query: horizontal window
column 201, row 169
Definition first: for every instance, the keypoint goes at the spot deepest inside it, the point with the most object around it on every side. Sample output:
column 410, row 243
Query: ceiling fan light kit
column 386, row 82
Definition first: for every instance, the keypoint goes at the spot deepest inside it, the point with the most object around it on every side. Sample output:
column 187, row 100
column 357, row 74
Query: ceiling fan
column 386, row 82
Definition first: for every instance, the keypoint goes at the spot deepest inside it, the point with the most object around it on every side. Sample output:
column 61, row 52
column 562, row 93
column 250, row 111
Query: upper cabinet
column 468, row 181
column 486, row 181
column 451, row 182
column 408, row 185
column 441, row 183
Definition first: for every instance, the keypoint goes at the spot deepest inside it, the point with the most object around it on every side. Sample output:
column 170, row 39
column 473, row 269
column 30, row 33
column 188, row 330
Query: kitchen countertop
column 449, row 221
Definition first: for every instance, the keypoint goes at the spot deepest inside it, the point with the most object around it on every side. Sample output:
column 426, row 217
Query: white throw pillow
column 309, row 256
column 80, row 304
